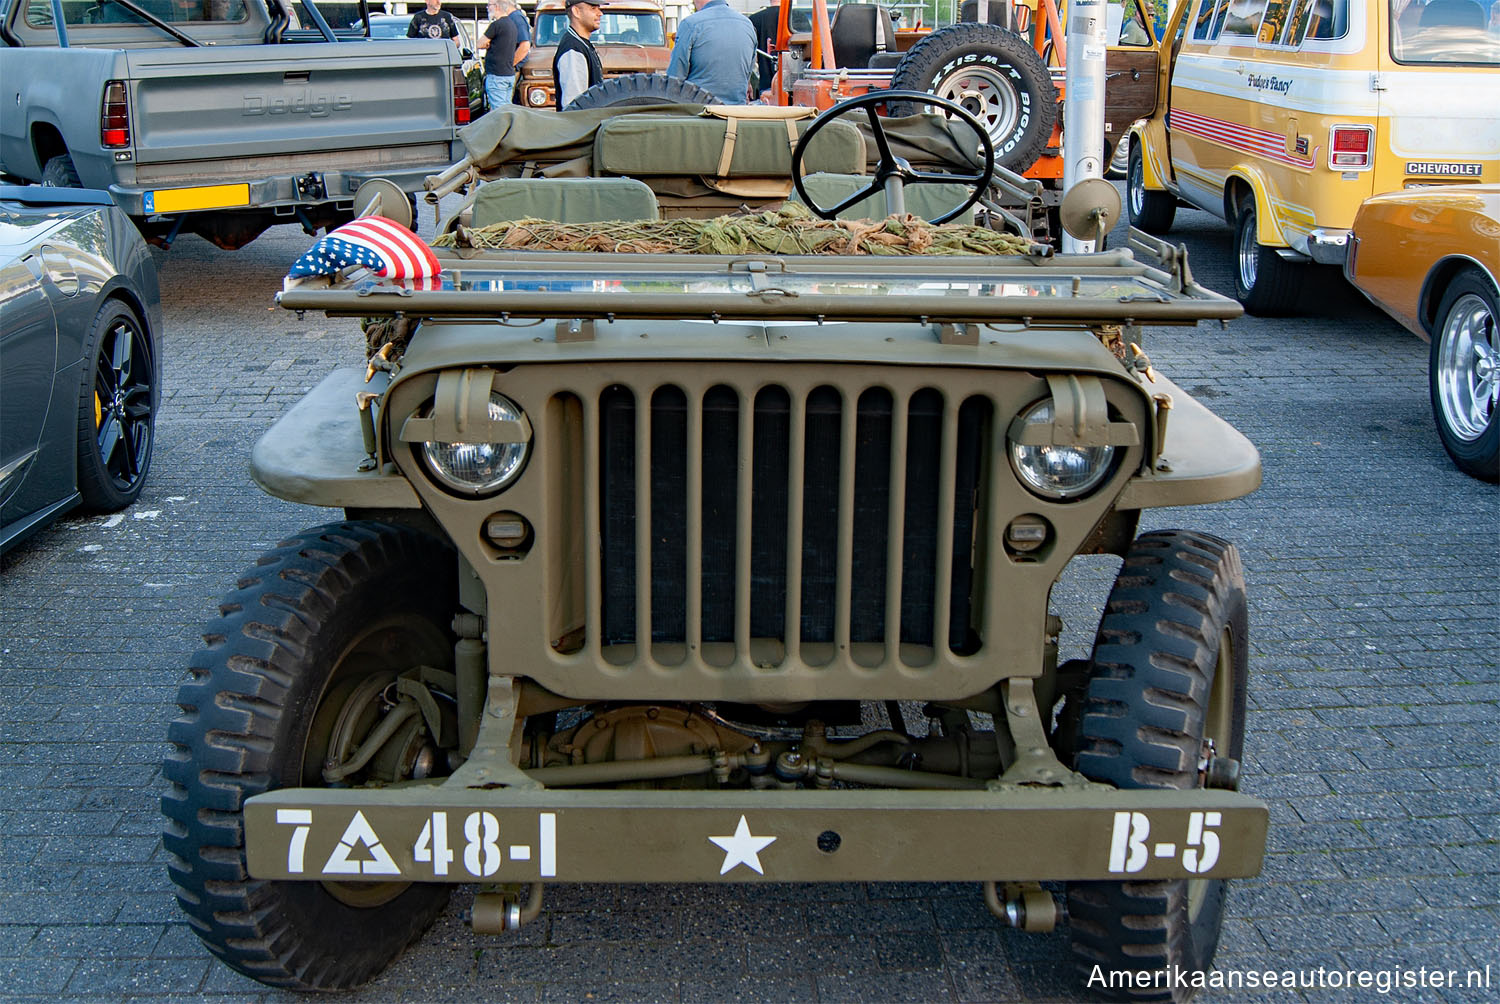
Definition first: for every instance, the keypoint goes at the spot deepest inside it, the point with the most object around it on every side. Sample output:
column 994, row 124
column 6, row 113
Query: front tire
column 1168, row 679
column 1266, row 283
column 1464, row 376
column 995, row 75
column 1152, row 211
column 116, row 409
column 294, row 670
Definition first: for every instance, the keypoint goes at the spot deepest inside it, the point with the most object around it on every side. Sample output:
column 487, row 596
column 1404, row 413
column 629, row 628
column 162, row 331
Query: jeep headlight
column 479, row 468
column 537, row 96
column 1058, row 472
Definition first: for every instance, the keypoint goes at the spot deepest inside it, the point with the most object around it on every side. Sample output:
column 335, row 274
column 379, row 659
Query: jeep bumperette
column 644, row 556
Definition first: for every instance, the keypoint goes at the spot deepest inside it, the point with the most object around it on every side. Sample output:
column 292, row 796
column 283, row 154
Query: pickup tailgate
column 257, row 101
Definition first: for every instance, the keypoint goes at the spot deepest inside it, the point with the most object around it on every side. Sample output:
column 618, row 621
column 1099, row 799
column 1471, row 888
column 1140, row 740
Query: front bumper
column 452, row 833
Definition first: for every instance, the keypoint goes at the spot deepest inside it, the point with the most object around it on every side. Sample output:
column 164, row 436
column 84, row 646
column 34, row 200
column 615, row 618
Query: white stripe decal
column 1238, row 137
column 548, row 842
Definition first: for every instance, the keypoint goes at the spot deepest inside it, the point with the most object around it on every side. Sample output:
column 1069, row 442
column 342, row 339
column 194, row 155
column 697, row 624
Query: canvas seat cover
column 564, row 200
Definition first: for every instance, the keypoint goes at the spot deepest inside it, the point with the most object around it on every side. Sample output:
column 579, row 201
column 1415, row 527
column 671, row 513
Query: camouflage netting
column 789, row 230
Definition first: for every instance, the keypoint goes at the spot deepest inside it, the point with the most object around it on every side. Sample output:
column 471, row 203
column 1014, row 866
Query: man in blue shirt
column 715, row 49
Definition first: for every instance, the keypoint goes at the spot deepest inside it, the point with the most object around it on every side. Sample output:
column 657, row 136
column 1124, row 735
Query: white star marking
column 742, row 848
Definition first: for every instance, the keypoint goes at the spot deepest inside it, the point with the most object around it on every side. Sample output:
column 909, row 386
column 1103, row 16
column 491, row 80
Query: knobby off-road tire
column 642, row 89
column 316, row 616
column 1463, row 369
column 117, row 400
column 1169, row 672
column 59, row 172
column 996, row 75
column 1266, row 283
column 1152, row 211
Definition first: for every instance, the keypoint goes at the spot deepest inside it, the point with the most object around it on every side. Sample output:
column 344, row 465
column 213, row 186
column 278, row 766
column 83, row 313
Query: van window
column 84, row 12
column 1210, row 20
column 1273, row 26
column 1328, row 19
column 1125, row 24
column 1445, row 31
column 1242, row 17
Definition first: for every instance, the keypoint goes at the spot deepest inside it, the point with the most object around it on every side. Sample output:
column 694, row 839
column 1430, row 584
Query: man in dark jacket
column 576, row 66
column 434, row 22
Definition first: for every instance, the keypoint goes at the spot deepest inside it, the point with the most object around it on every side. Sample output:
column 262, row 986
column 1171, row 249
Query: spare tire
column 996, row 75
column 642, row 89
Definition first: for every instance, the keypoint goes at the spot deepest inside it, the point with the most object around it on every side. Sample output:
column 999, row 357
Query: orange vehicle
column 1430, row 257
column 632, row 38
column 1008, row 72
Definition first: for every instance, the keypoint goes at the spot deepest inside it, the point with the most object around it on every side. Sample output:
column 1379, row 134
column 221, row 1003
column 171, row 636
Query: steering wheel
column 892, row 173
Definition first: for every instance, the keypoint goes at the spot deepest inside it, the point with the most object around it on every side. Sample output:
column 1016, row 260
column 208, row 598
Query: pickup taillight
column 114, row 117
column 1350, row 147
column 460, row 97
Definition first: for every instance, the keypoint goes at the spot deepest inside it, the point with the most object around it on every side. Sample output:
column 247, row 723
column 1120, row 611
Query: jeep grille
column 721, row 555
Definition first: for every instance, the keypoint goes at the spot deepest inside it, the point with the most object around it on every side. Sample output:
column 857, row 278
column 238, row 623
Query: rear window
column 83, row 12
column 1445, row 31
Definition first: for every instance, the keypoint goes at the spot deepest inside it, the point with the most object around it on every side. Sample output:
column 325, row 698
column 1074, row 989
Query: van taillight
column 460, row 97
column 114, row 117
column 1350, row 147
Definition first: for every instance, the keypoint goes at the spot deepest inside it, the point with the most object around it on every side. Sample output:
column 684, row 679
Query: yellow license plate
column 177, row 200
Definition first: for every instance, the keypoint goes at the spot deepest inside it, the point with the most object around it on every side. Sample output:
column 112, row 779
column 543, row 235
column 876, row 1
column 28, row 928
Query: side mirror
column 465, row 54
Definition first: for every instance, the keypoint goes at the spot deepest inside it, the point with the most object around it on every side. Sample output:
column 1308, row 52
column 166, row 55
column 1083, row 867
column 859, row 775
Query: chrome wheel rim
column 1249, row 251
column 1468, row 368
column 989, row 96
column 1135, row 186
column 122, row 403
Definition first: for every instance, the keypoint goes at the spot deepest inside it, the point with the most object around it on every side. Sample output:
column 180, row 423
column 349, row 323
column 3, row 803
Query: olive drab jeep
column 733, row 566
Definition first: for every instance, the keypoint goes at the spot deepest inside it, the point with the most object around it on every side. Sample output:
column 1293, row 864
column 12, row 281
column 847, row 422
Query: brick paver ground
column 1374, row 691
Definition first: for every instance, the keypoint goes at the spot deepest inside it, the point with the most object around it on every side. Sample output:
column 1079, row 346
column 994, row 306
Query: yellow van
column 1282, row 116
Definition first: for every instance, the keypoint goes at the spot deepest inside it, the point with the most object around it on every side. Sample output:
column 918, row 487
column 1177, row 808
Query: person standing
column 523, row 42
column 434, row 22
column 576, row 66
column 715, row 49
column 498, row 43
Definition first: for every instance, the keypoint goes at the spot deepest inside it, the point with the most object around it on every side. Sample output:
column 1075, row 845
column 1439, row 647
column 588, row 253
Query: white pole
column 1083, row 106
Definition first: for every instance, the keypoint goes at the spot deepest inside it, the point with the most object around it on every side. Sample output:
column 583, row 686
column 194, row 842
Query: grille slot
column 728, row 514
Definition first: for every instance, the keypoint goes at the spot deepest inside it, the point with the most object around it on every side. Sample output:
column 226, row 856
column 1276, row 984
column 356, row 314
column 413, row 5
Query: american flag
column 381, row 245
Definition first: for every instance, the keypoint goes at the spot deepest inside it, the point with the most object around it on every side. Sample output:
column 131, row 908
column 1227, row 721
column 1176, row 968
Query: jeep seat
column 925, row 201
column 860, row 32
column 563, row 200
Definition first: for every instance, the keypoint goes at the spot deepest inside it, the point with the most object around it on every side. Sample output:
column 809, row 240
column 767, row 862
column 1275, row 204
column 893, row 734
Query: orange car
column 1429, row 257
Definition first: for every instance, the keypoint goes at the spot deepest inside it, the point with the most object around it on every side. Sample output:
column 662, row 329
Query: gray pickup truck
column 220, row 117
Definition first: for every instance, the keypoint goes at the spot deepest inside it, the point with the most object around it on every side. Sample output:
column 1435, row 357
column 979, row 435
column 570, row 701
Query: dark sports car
column 80, row 357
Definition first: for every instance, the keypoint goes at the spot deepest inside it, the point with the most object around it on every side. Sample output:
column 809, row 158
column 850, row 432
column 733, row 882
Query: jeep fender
column 1267, row 227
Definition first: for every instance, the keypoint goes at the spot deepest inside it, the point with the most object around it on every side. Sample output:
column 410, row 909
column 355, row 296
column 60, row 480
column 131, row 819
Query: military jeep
column 725, row 567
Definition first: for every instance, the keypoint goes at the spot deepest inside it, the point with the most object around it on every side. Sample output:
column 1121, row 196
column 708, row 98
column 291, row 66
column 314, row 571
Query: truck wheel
column 1464, row 376
column 116, row 410
column 642, row 89
column 1167, row 690
column 59, row 172
column 296, row 670
column 1152, row 211
column 1266, row 283
column 996, row 75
